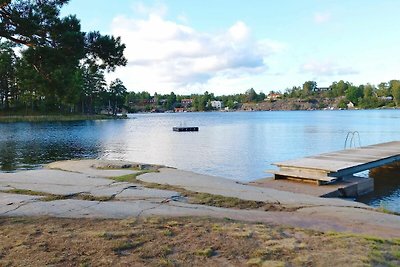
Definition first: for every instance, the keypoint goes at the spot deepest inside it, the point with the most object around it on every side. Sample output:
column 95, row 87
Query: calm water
column 239, row 145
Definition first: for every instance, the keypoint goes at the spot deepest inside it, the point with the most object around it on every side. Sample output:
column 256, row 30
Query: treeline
column 144, row 101
column 47, row 64
column 362, row 96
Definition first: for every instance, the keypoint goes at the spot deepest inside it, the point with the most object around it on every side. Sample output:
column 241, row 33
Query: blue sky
column 230, row 46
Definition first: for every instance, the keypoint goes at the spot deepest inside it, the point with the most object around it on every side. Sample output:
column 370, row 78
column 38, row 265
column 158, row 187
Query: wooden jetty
column 185, row 129
column 330, row 167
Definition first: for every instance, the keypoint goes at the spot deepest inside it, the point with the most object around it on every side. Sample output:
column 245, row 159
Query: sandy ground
column 126, row 200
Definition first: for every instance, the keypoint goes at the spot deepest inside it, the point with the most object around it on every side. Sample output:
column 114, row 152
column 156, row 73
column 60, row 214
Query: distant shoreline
column 55, row 118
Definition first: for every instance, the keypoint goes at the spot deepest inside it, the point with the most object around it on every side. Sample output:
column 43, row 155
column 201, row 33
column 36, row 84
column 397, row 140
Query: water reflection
column 27, row 145
column 387, row 188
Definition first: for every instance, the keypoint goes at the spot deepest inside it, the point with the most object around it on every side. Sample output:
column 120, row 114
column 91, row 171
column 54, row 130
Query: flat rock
column 10, row 202
column 133, row 200
column 92, row 167
column 128, row 191
column 51, row 181
column 387, row 225
column 230, row 188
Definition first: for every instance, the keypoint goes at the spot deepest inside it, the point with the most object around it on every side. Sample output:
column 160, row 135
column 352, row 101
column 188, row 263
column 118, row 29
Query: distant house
column 217, row 104
column 148, row 101
column 350, row 105
column 273, row 96
column 186, row 102
column 386, row 98
column 322, row 89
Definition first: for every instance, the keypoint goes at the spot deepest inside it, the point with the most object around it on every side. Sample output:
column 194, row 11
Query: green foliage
column 371, row 102
column 339, row 88
column 342, row 104
column 29, row 22
column 309, row 87
column 383, row 90
column 118, row 93
column 395, row 88
column 354, row 93
column 61, row 68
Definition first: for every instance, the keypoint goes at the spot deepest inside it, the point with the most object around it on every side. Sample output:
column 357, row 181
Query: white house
column 350, row 105
column 216, row 104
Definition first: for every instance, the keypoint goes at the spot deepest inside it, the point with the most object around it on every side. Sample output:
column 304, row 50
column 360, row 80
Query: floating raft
column 185, row 129
column 330, row 167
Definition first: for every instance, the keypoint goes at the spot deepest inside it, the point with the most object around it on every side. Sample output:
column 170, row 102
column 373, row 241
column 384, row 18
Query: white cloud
column 322, row 17
column 164, row 55
column 326, row 68
column 143, row 9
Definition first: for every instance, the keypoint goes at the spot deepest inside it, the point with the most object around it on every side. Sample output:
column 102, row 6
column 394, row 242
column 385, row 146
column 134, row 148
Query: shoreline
column 170, row 192
column 54, row 118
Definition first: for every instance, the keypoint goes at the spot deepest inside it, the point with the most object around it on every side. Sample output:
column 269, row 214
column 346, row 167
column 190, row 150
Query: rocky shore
column 109, row 202
column 91, row 188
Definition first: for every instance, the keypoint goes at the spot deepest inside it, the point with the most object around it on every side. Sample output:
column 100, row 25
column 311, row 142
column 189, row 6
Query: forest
column 48, row 65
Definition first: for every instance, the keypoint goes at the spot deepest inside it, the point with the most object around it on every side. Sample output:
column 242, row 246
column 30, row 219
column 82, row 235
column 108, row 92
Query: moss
column 223, row 201
column 52, row 197
column 132, row 178
column 387, row 211
column 168, row 232
column 396, row 254
column 25, row 192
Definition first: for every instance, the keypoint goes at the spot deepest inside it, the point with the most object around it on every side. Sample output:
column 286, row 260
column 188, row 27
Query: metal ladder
column 351, row 139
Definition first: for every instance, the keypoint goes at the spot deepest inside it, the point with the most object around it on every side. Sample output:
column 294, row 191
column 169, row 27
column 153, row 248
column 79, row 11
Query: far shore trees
column 395, row 88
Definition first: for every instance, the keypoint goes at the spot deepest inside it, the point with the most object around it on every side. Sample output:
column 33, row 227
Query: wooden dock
column 330, row 167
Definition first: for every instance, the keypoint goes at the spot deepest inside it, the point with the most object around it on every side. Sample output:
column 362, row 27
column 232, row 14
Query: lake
column 236, row 145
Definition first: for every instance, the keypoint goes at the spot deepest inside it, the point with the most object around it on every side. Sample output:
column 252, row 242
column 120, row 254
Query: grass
column 195, row 242
column 208, row 252
column 204, row 198
column 52, row 197
column 25, row 192
column 131, row 178
column 51, row 118
column 382, row 208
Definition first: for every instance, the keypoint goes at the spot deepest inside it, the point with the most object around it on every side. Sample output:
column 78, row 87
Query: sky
column 229, row 46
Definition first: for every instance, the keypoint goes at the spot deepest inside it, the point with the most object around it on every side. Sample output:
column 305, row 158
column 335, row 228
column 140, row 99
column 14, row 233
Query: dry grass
column 189, row 241
column 205, row 198
column 52, row 197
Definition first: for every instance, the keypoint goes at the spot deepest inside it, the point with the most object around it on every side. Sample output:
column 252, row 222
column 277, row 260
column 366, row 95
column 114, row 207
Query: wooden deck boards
column 341, row 163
